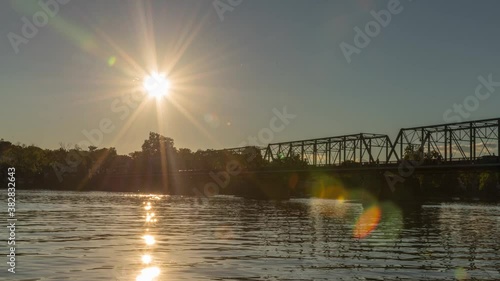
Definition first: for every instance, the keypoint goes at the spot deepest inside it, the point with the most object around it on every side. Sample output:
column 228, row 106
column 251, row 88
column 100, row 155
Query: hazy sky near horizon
column 228, row 75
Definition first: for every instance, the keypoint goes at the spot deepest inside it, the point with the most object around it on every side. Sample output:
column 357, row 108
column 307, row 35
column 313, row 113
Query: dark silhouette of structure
column 443, row 157
column 472, row 142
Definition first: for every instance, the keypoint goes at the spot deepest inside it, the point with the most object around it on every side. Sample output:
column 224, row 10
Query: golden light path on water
column 149, row 240
column 149, row 217
column 149, row 273
column 146, row 259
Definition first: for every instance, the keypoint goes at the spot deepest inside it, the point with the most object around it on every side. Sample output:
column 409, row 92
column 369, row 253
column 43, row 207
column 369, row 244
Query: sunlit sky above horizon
column 228, row 76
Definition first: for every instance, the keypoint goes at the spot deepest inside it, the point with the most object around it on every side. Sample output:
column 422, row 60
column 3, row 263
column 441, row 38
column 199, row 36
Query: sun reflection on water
column 146, row 259
column 149, row 217
column 150, row 240
column 148, row 274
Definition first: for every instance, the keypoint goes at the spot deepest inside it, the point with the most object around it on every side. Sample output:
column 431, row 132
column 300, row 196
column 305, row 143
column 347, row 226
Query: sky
column 236, row 66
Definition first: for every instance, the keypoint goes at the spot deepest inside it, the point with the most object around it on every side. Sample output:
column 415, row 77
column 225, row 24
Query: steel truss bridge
column 464, row 143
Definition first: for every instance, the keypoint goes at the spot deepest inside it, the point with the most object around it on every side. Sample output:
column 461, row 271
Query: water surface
column 103, row 236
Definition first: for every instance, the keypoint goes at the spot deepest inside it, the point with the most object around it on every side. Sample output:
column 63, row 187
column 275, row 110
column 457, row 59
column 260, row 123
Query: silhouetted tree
column 157, row 143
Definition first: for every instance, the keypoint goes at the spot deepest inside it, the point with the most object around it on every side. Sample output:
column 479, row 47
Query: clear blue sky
column 227, row 76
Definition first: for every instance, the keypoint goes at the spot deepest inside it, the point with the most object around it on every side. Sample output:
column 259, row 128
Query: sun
column 157, row 85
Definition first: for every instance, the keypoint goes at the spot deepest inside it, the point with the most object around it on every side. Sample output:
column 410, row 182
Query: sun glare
column 157, row 85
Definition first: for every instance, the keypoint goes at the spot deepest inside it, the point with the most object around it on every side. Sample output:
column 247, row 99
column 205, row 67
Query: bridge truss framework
column 463, row 141
column 359, row 148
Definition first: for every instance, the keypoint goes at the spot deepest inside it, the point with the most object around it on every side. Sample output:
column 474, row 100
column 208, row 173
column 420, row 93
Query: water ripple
column 106, row 236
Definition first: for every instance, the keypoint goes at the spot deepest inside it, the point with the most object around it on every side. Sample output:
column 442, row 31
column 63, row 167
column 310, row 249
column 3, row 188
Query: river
column 120, row 236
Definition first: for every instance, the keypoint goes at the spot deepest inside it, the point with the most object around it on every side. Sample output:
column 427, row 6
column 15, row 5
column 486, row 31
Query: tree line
column 79, row 168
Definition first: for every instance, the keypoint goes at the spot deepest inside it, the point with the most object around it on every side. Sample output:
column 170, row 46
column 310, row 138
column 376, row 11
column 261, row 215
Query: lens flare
column 391, row 223
column 329, row 187
column 367, row 222
column 111, row 61
column 461, row 274
column 293, row 181
column 212, row 120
